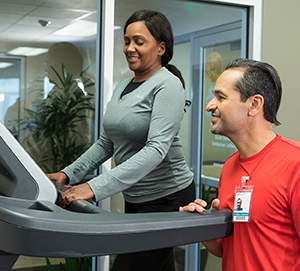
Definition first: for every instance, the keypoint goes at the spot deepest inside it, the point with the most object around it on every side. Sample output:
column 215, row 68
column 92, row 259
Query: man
column 239, row 205
column 264, row 173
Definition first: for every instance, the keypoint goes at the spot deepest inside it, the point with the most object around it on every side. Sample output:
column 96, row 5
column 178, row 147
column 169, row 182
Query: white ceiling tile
column 12, row 8
column 47, row 12
column 3, row 26
column 90, row 5
column 9, row 18
column 92, row 17
column 26, row 2
column 11, row 36
column 31, row 29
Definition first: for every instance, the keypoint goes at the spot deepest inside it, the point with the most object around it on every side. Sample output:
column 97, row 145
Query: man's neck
column 252, row 143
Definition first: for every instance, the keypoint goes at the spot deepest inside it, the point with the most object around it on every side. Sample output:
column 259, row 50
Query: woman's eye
column 138, row 43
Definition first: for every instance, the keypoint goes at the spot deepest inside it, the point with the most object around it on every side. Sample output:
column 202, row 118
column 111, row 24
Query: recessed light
column 27, row 51
column 78, row 29
column 4, row 65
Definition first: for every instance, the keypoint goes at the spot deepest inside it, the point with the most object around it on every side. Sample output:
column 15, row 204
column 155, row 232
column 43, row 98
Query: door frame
column 255, row 22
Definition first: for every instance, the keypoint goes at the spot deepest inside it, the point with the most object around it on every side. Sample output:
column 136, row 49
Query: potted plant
column 54, row 124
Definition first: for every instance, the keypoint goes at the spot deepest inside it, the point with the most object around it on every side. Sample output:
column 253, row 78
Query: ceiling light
column 27, row 51
column 2, row 97
column 78, row 29
column 4, row 65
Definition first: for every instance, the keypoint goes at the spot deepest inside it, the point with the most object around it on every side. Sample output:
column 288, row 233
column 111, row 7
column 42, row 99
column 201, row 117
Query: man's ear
column 256, row 104
column 162, row 48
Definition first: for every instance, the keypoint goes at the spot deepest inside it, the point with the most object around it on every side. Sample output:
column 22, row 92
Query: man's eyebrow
column 216, row 91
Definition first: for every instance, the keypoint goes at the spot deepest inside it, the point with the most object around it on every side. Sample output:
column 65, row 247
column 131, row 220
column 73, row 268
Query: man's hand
column 82, row 191
column 213, row 246
column 199, row 206
column 215, row 205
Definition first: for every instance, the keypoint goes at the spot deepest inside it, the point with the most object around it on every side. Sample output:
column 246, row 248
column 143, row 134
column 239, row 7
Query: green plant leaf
column 49, row 266
column 56, row 119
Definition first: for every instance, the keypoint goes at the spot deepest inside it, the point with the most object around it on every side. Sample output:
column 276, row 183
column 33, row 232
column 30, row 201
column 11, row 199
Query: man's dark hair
column 259, row 78
column 159, row 27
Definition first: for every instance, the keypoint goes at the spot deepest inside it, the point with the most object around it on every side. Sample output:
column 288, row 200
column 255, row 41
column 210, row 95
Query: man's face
column 229, row 114
column 239, row 204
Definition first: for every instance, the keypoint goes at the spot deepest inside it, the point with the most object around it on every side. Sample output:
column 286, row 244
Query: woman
column 141, row 127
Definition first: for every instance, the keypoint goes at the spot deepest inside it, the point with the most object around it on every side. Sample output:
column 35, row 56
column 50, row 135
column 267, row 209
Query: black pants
column 159, row 259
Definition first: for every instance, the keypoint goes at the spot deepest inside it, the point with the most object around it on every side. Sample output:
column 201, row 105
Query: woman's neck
column 141, row 77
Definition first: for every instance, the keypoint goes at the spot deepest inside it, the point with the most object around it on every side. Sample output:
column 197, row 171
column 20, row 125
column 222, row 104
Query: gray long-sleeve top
column 141, row 131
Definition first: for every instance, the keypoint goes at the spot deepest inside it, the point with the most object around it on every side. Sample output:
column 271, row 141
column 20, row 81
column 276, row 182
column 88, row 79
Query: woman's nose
column 131, row 47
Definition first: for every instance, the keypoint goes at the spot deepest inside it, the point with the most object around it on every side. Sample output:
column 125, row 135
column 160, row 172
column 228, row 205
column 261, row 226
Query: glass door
column 38, row 41
column 199, row 30
column 212, row 51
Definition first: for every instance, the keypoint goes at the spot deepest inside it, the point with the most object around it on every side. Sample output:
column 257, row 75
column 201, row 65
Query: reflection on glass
column 10, row 88
column 44, row 93
column 60, row 127
column 216, row 148
column 9, row 102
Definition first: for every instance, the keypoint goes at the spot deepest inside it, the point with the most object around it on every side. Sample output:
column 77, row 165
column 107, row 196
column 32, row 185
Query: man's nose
column 211, row 105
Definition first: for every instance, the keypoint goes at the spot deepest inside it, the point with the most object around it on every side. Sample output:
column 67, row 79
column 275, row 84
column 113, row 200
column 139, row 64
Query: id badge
column 242, row 203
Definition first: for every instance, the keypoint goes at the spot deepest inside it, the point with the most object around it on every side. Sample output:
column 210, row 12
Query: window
column 38, row 43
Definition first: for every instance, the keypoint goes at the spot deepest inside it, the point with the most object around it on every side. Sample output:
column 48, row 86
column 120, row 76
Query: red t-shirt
column 271, row 240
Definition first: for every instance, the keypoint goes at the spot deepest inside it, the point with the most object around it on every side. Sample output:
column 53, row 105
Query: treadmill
column 32, row 224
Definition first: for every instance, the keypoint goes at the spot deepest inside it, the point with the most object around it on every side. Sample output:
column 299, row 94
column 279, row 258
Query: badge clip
column 245, row 179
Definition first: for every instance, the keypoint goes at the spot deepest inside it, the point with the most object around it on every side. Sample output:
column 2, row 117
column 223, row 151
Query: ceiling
column 19, row 18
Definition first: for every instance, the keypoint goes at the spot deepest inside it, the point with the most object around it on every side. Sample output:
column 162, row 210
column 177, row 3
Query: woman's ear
column 162, row 48
column 256, row 105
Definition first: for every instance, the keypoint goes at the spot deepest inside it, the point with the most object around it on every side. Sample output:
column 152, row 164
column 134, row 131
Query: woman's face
column 143, row 53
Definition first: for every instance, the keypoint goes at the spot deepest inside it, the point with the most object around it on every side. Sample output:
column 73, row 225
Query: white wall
column 280, row 47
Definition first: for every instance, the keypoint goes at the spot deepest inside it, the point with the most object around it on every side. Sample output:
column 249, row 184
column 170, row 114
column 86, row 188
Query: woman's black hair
column 177, row 73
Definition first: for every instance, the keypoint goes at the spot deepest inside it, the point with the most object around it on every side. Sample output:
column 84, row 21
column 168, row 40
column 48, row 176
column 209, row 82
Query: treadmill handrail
column 46, row 216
